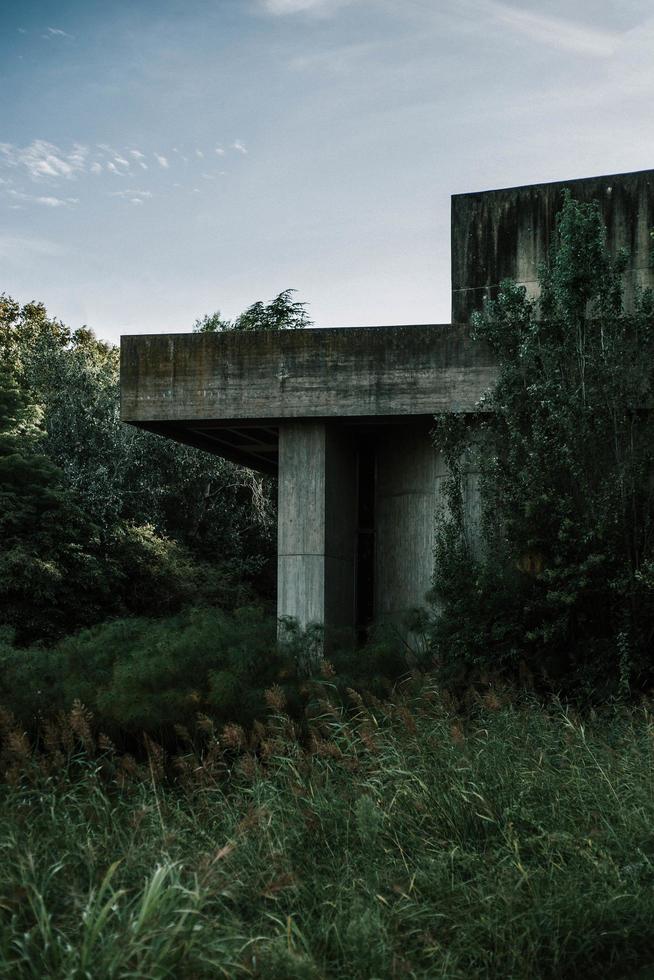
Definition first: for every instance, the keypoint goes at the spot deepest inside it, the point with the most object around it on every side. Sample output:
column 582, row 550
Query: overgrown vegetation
column 208, row 807
column 140, row 675
column 401, row 841
column 98, row 519
column 558, row 584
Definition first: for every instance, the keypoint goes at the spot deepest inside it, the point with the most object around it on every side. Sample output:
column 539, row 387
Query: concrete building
column 343, row 415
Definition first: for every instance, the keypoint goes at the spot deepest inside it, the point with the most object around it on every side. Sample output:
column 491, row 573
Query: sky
column 164, row 159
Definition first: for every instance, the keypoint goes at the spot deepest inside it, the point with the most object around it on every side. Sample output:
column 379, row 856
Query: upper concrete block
column 304, row 374
column 506, row 233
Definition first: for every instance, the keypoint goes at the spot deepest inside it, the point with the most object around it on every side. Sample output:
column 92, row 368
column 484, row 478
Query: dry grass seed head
column 275, row 698
column 80, row 719
column 233, row 737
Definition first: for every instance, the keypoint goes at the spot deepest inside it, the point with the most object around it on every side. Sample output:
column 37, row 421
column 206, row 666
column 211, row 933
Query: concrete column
column 411, row 499
column 408, row 484
column 317, row 525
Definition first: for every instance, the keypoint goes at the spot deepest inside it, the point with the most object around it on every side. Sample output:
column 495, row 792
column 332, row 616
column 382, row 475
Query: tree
column 282, row 313
column 564, row 583
column 48, row 551
column 164, row 523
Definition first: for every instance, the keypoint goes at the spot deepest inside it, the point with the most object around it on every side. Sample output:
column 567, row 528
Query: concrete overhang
column 228, row 392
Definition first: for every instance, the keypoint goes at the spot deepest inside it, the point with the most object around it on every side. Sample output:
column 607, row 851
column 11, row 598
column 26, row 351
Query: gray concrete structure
column 505, row 234
column 344, row 415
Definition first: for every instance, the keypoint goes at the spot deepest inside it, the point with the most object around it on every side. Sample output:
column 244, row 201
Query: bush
column 149, row 674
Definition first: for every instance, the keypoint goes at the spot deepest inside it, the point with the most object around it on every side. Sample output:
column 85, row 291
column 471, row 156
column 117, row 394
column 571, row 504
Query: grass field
column 399, row 841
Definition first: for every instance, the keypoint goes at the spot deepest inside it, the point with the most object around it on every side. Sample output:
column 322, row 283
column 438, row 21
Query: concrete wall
column 316, row 525
column 181, row 379
column 506, row 233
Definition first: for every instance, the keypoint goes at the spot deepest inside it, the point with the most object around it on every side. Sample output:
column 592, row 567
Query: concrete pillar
column 317, row 525
column 408, row 485
column 411, row 499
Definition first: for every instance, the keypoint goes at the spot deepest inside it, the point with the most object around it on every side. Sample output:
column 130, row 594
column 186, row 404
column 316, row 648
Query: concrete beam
column 173, row 379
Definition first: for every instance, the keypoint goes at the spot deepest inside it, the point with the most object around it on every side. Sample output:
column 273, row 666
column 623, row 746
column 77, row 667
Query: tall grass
column 401, row 841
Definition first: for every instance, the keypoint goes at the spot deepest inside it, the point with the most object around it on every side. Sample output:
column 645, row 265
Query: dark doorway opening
column 365, row 545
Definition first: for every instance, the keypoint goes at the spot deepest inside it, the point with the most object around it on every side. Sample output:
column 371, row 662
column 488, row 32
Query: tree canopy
column 282, row 313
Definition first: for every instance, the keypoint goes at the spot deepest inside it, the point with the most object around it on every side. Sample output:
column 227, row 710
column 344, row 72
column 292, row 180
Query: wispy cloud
column 239, row 147
column 48, row 201
column 56, row 202
column 219, row 151
column 56, row 32
column 162, row 161
column 133, row 196
column 558, row 32
column 45, row 160
column 281, row 7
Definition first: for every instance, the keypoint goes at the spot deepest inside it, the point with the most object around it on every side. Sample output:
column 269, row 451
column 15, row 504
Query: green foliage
column 282, row 313
column 49, row 547
column 565, row 446
column 147, row 524
column 149, row 675
column 405, row 841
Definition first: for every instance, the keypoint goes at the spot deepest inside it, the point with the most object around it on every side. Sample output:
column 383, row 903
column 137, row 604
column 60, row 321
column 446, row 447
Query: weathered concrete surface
column 316, row 525
column 294, row 374
column 317, row 402
column 411, row 501
column 408, row 483
column 506, row 233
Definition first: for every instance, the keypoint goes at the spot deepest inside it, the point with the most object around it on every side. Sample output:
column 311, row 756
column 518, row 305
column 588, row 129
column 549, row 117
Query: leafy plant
column 564, row 443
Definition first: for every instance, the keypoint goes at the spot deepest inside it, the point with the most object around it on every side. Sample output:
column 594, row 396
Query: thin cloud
column 96, row 168
column 280, row 8
column 162, row 161
column 131, row 193
column 41, row 159
column 121, row 161
column 53, row 32
column 219, row 151
column 49, row 201
column 239, row 147
column 134, row 197
column 556, row 32
column 56, row 202
column 140, row 158
column 199, row 154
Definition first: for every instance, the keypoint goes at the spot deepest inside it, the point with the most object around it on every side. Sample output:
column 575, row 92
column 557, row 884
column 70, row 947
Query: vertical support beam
column 316, row 525
column 408, row 482
column 411, row 499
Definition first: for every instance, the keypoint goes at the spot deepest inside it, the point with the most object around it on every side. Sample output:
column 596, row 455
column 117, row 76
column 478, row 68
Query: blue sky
column 161, row 159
